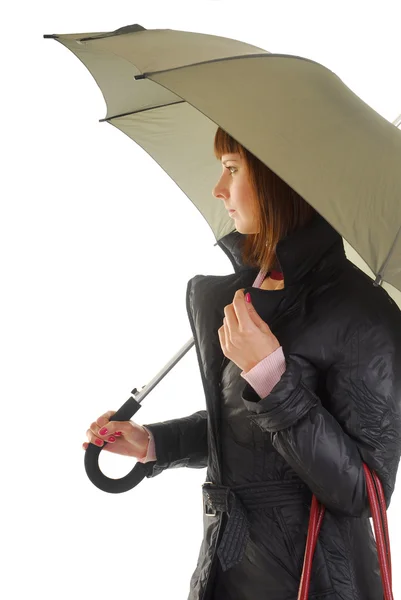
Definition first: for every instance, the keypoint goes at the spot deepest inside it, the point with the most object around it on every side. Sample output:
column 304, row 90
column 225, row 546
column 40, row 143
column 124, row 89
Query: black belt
column 236, row 501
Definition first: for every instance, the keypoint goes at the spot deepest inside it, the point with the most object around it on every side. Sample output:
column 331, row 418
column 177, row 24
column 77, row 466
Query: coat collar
column 297, row 254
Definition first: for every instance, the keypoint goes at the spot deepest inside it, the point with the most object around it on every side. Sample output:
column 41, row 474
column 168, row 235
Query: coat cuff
column 151, row 452
column 267, row 373
column 289, row 400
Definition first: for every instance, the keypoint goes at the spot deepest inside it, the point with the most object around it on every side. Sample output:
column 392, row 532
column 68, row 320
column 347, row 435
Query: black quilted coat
column 337, row 404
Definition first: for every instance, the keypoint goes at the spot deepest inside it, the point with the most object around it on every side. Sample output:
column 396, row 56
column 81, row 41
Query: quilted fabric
column 337, row 404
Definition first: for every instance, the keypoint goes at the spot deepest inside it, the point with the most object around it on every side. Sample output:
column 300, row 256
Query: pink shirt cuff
column 267, row 373
column 151, row 452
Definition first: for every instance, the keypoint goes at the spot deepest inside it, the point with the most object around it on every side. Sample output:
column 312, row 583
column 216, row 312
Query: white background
column 93, row 287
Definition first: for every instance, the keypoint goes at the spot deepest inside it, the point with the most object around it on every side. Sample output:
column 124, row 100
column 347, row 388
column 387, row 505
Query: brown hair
column 280, row 210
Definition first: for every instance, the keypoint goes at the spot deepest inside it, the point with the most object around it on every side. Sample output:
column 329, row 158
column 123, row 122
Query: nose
column 220, row 190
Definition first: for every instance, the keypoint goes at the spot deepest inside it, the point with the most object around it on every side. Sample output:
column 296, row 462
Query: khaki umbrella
column 169, row 90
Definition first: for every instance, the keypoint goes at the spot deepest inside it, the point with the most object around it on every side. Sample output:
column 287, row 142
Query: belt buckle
column 207, row 507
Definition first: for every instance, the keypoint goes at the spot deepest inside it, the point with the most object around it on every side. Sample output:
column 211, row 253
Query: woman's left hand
column 244, row 337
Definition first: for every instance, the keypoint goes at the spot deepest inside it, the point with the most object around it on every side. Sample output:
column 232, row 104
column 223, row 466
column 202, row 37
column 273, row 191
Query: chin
column 243, row 229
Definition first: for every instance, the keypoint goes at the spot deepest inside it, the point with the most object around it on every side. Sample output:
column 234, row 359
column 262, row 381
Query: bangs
column 225, row 144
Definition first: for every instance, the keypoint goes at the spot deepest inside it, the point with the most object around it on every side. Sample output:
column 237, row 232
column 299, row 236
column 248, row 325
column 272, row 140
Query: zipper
column 214, row 559
column 212, row 413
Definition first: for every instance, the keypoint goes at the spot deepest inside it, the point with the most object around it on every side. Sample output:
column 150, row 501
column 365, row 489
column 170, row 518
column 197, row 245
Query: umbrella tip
column 121, row 31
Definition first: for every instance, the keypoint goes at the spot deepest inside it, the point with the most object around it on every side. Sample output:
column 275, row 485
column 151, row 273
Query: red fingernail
column 118, row 433
column 103, row 431
column 248, row 297
column 112, row 438
column 99, row 442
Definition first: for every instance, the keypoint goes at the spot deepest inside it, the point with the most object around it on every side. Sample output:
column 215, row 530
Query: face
column 237, row 193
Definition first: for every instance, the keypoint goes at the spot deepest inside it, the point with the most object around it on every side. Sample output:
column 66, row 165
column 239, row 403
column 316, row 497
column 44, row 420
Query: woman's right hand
column 122, row 437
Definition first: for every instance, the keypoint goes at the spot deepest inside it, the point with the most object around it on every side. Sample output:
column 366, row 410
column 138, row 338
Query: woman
column 301, row 387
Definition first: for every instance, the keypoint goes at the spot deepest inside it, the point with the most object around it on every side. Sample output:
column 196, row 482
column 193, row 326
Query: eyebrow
column 223, row 162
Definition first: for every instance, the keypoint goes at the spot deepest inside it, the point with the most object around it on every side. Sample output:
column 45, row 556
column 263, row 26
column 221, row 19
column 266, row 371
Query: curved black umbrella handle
column 129, row 408
column 104, row 483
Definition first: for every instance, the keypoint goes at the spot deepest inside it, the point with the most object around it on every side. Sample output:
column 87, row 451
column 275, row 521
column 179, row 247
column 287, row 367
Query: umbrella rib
column 214, row 60
column 122, row 31
column 380, row 274
column 134, row 112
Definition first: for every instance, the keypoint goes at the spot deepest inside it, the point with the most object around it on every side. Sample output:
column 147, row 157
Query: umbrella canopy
column 168, row 90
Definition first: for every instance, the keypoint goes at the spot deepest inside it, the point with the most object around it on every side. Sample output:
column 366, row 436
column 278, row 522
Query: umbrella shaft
column 172, row 362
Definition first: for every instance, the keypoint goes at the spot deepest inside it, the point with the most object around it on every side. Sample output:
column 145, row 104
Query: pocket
column 293, row 522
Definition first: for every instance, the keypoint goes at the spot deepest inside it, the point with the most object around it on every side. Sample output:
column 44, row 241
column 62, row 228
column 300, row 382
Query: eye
column 229, row 169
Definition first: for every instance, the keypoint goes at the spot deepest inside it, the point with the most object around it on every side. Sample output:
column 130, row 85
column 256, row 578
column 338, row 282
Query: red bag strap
column 376, row 500
column 382, row 500
column 378, row 511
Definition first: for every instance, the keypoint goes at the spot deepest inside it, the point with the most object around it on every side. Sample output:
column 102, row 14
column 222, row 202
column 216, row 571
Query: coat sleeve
column 360, row 421
column 179, row 443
